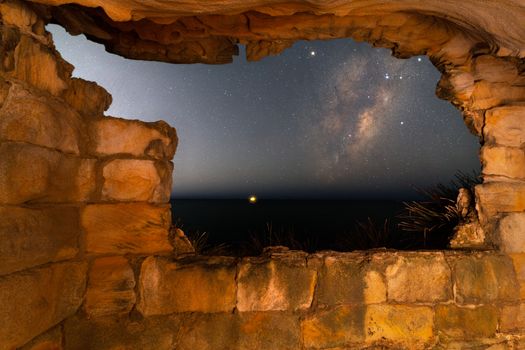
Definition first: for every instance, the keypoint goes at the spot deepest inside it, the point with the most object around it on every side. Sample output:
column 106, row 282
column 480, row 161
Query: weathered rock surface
column 495, row 198
column 167, row 287
column 506, row 126
column 340, row 326
column 132, row 137
column 190, row 303
column 479, row 279
column 466, row 323
column 341, row 280
column 420, row 278
column 269, row 330
column 513, row 318
column 374, row 288
column 39, row 175
column 50, row 340
column 275, row 285
column 26, row 117
column 383, row 323
column 486, row 95
column 511, row 231
column 28, row 57
column 503, row 161
column 35, row 300
column 137, row 228
column 137, row 180
column 110, row 289
column 87, row 98
column 216, row 331
column 35, row 236
column 151, row 333
column 195, row 32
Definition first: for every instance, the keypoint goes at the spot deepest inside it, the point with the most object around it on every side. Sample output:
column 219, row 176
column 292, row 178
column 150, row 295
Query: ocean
column 310, row 225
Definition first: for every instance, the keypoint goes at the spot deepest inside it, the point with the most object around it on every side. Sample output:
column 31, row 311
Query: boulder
column 33, row 301
column 36, row 236
column 136, row 228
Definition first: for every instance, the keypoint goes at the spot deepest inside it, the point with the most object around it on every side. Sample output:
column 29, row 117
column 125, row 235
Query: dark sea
column 304, row 224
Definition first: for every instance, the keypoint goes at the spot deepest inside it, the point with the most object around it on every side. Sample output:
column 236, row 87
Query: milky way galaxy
column 334, row 119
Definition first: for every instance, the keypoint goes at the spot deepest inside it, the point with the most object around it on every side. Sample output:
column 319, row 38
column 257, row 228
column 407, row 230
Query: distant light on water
column 252, row 199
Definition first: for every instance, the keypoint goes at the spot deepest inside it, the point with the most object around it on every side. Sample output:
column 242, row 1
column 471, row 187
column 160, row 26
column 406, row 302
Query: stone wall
column 74, row 184
column 88, row 261
column 291, row 300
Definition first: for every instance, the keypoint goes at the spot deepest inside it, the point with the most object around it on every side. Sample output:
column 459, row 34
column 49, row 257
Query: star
column 402, row 123
column 387, row 76
column 312, row 53
column 419, row 59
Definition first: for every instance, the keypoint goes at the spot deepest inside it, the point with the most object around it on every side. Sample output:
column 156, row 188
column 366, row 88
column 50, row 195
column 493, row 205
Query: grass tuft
column 434, row 218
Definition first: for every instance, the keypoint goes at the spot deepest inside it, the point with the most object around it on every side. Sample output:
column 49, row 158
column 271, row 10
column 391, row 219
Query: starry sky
column 325, row 119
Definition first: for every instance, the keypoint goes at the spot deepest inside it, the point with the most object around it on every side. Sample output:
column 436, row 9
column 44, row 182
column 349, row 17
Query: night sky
column 325, row 119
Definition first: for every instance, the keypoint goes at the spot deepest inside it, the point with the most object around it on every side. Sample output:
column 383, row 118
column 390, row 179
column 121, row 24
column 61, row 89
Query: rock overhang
column 210, row 32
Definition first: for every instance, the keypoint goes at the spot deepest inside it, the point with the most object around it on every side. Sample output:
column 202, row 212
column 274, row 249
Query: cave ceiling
column 210, row 31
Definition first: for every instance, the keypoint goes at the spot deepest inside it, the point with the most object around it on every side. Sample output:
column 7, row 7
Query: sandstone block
column 35, row 236
column 341, row 280
column 136, row 228
column 519, row 266
column 399, row 323
column 375, row 288
column 167, row 287
column 247, row 330
column 50, row 340
column 35, row 300
column 503, row 161
column 499, row 197
column 466, row 323
column 484, row 279
column 39, row 66
column 35, row 174
column 268, row 330
column 419, row 278
column 505, row 126
column 275, row 284
column 137, row 180
column 140, row 139
column 111, row 333
column 218, row 331
column 87, row 98
column 513, row 318
column 488, row 95
column 488, row 344
column 42, row 121
column 340, row 326
column 110, row 288
column 510, row 231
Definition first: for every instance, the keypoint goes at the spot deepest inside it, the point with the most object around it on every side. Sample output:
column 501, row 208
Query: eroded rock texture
column 210, row 31
column 74, row 185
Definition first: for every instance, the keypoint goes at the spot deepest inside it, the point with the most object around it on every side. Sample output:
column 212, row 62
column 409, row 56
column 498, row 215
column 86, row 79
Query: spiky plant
column 280, row 236
column 434, row 218
column 201, row 242
column 367, row 234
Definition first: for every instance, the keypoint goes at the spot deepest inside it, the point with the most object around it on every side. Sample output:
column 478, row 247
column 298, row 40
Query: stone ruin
column 87, row 259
